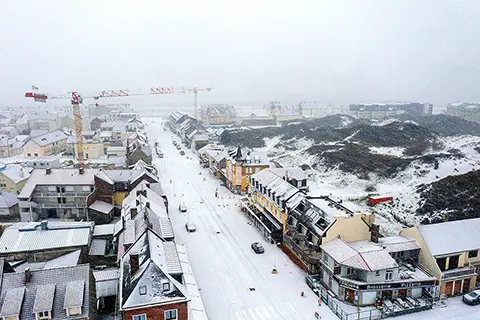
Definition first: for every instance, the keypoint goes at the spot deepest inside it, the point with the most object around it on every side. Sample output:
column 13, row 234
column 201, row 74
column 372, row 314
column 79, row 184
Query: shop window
column 389, row 275
column 473, row 254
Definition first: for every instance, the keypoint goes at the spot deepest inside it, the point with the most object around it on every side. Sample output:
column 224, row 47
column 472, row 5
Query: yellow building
column 92, row 150
column 240, row 166
column 451, row 252
column 13, row 178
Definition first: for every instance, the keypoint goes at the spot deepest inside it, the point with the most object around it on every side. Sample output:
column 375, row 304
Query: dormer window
column 142, row 290
column 74, row 311
column 43, row 315
column 166, row 286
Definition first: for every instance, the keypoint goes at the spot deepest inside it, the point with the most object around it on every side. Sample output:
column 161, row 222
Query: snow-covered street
column 235, row 283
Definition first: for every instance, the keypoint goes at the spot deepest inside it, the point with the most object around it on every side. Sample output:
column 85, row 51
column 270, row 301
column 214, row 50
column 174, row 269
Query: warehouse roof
column 24, row 237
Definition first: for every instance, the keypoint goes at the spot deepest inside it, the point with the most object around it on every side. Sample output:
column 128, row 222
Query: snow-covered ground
column 219, row 251
column 220, row 255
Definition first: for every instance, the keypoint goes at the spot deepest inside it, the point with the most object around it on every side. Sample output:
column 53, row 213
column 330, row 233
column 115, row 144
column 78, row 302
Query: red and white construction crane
column 77, row 99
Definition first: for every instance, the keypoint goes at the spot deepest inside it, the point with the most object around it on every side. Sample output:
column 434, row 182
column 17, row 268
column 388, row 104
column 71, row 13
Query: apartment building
column 13, row 178
column 57, row 193
column 45, row 145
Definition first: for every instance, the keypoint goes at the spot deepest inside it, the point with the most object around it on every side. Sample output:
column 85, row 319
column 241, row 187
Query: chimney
column 81, row 171
column 133, row 212
column 28, row 275
column 48, row 171
column 21, row 172
column 44, row 225
column 134, row 263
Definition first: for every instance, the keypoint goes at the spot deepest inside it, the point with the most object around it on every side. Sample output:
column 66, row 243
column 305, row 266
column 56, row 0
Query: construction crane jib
column 76, row 100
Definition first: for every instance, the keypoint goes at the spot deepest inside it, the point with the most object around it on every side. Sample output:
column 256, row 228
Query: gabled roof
column 151, row 275
column 451, row 237
column 49, row 138
column 35, row 133
column 112, row 176
column 12, row 302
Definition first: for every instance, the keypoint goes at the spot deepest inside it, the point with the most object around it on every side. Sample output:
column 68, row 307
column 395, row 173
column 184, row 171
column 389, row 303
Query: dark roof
column 71, row 288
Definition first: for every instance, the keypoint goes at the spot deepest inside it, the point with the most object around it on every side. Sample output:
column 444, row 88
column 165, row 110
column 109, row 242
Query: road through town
column 234, row 282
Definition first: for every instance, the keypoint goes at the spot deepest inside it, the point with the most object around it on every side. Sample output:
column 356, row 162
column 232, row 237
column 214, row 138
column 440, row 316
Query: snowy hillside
column 353, row 160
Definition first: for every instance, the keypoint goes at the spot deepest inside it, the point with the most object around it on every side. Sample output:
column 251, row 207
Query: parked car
column 182, row 207
column 472, row 298
column 257, row 247
column 190, row 227
column 182, row 152
column 179, row 147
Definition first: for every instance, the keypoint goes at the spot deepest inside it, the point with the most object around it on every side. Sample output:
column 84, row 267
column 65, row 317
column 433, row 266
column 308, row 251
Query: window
column 377, row 273
column 139, row 317
column 34, row 164
column 143, row 290
column 171, row 315
column 166, row 286
column 389, row 275
column 51, row 188
column 473, row 254
column 73, row 311
column 442, row 263
column 69, row 188
column 44, row 315
column 59, row 200
column 349, row 271
column 29, row 154
column 325, row 257
column 330, row 282
column 36, row 154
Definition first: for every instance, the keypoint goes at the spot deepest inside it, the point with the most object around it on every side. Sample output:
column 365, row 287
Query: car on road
column 182, row 152
column 179, row 147
column 182, row 207
column 472, row 298
column 190, row 227
column 257, row 247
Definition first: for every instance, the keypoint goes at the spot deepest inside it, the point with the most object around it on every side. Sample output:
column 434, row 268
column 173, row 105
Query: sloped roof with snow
column 101, row 206
column 452, row 237
column 49, row 138
column 364, row 255
column 17, row 173
column 155, row 262
column 7, row 200
column 112, row 176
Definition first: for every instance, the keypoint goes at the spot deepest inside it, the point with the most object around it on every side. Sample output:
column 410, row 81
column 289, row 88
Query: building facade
column 451, row 252
column 240, row 166
column 45, row 145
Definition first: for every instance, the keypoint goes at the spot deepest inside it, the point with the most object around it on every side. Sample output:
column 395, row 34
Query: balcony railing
column 459, row 272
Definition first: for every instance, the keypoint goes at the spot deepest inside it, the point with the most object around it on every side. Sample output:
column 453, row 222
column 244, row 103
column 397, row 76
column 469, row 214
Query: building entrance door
column 466, row 286
column 448, row 288
column 458, row 287
column 349, row 295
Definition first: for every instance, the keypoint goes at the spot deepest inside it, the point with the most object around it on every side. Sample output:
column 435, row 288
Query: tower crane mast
column 76, row 100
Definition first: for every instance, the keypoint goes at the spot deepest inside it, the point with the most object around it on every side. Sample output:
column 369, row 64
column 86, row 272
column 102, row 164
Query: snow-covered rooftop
column 452, row 236
column 364, row 255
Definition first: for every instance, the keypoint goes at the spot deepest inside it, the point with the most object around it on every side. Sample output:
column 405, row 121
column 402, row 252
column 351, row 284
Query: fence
column 371, row 314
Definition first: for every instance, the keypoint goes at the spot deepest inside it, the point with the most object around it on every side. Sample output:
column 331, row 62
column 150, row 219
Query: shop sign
column 386, row 286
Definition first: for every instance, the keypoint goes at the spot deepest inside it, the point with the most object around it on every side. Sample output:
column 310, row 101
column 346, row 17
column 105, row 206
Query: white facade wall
column 369, row 297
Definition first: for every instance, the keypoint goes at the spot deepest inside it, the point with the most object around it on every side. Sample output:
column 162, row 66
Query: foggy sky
column 251, row 52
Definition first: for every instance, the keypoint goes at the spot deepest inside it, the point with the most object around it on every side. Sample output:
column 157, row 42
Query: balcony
column 459, row 273
column 290, row 226
column 300, row 236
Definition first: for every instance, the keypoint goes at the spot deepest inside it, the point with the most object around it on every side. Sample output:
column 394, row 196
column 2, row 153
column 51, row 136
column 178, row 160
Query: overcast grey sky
column 251, row 51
